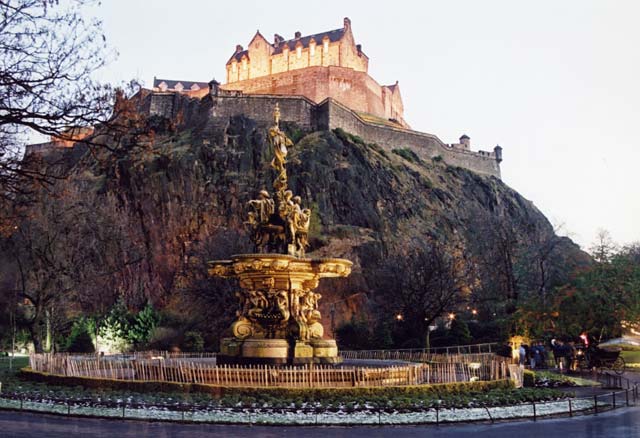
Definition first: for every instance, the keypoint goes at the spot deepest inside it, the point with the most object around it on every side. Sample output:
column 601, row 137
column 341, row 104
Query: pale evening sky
column 555, row 83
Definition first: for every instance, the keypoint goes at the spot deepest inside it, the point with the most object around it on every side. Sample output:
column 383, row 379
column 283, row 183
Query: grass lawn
column 568, row 379
column 631, row 357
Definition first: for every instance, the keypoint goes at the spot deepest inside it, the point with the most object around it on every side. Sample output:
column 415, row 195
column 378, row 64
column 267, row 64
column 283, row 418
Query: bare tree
column 49, row 52
column 73, row 254
column 421, row 283
column 604, row 248
column 210, row 302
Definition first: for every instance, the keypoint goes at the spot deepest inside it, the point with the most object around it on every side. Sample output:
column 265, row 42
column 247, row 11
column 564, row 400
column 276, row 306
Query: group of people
column 535, row 355
column 565, row 354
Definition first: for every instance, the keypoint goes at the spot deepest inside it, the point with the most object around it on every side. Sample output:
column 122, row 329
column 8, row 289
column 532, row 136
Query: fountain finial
column 276, row 115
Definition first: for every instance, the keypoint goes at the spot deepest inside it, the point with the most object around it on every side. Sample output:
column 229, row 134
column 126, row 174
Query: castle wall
column 330, row 114
column 349, row 56
column 355, row 89
column 295, row 109
column 261, row 62
column 259, row 54
column 426, row 146
column 162, row 104
column 263, row 58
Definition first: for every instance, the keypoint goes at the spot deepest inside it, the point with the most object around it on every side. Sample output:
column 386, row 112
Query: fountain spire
column 279, row 224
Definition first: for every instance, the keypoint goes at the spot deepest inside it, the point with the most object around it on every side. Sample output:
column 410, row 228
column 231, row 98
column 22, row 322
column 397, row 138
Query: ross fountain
column 278, row 321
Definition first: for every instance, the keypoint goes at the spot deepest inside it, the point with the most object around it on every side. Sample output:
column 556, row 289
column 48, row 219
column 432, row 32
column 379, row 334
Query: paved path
column 623, row 423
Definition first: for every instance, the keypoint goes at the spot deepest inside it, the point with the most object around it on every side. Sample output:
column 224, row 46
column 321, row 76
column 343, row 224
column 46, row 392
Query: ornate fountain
column 278, row 321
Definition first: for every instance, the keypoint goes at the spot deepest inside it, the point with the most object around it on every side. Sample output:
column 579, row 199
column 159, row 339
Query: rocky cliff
column 180, row 188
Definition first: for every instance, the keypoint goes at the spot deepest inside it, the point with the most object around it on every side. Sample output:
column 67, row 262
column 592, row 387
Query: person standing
column 522, row 352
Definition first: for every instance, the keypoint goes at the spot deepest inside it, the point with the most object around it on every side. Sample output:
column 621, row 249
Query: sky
column 555, row 83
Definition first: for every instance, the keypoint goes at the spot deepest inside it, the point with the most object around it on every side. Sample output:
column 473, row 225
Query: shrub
column 296, row 135
column 376, row 147
column 164, row 338
column 354, row 335
column 81, row 343
column 459, row 332
column 529, row 378
column 80, row 340
column 341, row 134
column 193, row 341
column 357, row 139
column 407, row 154
column 347, row 137
column 436, row 159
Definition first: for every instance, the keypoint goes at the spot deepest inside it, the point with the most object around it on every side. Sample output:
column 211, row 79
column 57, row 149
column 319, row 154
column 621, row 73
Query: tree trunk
column 36, row 336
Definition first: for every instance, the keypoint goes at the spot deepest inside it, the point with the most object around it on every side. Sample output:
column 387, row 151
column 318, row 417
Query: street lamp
column 399, row 317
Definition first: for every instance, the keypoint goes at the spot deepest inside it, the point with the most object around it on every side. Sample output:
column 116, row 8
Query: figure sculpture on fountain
column 280, row 225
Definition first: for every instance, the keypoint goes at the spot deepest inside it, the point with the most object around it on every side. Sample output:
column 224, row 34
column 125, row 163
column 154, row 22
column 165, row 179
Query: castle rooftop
column 178, row 85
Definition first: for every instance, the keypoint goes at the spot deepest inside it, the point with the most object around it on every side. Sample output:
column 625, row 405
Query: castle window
column 299, row 52
column 325, row 45
column 195, row 87
column 163, row 86
column 178, row 87
column 312, row 47
column 244, row 63
column 234, row 66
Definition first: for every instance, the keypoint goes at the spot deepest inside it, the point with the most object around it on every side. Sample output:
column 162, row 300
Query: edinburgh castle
column 320, row 82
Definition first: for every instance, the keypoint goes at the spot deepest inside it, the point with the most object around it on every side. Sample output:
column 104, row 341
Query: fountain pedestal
column 278, row 321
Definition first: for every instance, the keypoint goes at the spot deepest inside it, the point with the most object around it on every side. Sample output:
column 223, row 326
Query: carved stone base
column 265, row 348
column 325, row 351
column 302, row 353
column 253, row 351
column 277, row 352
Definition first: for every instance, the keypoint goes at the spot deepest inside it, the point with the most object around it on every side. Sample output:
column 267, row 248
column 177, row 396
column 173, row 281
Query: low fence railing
column 628, row 395
column 415, row 354
column 190, row 370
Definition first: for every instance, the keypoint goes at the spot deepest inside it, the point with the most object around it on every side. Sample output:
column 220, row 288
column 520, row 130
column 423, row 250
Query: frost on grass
column 302, row 416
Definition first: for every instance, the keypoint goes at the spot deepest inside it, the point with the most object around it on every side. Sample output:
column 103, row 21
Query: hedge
column 437, row 389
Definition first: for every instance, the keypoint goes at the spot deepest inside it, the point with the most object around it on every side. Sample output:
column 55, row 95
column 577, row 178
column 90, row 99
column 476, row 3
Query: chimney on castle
column 347, row 23
column 359, row 47
column 277, row 39
column 298, row 35
column 465, row 140
column 238, row 48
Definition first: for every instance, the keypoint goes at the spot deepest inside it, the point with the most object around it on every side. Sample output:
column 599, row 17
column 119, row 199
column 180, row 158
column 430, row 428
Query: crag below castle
column 187, row 186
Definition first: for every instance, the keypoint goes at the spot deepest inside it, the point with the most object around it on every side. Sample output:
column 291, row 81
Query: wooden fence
column 415, row 356
column 205, row 371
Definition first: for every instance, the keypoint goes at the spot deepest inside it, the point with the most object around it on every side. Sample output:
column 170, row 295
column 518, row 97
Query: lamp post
column 428, row 338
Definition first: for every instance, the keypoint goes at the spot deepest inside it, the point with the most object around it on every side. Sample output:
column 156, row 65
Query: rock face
column 184, row 187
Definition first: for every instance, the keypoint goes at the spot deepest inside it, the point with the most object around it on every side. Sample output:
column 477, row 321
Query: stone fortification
column 333, row 115
column 329, row 114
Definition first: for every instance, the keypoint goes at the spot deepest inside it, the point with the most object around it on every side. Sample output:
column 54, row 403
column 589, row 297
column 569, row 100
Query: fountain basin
column 278, row 321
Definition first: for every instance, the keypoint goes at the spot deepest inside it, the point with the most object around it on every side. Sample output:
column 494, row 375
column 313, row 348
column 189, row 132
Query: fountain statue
column 278, row 321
